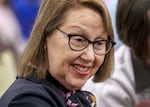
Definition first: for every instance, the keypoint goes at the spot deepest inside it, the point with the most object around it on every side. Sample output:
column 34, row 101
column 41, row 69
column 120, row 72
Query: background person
column 64, row 50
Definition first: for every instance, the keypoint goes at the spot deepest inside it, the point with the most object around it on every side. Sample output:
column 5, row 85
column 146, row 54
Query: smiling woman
column 63, row 52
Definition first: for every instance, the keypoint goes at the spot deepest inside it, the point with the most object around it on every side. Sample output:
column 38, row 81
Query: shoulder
column 29, row 100
column 108, row 93
column 122, row 54
column 114, row 92
column 122, row 79
column 32, row 94
column 123, row 70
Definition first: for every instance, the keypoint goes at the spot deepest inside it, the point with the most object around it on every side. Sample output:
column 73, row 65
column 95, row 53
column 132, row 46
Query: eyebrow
column 84, row 32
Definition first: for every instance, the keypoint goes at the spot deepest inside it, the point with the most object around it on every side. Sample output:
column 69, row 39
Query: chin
column 75, row 87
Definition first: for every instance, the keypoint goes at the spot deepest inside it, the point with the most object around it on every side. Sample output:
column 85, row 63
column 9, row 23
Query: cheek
column 59, row 56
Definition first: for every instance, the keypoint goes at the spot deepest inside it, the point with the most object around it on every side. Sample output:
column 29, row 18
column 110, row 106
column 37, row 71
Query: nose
column 88, row 54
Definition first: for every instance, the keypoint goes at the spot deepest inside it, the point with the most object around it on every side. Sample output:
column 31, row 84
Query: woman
column 71, row 41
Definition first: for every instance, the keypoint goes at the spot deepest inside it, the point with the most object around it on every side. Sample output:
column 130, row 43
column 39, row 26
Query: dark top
column 142, row 74
column 29, row 92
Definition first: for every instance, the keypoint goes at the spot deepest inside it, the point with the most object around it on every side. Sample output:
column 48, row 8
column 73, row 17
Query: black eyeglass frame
column 89, row 42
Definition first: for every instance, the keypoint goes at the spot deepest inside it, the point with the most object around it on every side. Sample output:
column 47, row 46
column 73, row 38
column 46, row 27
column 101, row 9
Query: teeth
column 82, row 69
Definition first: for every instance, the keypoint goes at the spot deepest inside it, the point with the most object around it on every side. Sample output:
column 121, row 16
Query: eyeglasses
column 79, row 43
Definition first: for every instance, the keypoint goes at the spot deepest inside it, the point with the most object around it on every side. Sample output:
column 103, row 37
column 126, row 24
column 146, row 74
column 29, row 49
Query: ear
column 46, row 55
column 45, row 45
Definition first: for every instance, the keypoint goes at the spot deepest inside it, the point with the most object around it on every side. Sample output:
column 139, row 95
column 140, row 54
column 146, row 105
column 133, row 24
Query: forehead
column 81, row 12
column 83, row 16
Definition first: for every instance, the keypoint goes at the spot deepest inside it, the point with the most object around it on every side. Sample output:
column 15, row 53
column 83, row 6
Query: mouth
column 81, row 70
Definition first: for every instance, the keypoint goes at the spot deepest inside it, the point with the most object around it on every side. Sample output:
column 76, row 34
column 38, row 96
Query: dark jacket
column 32, row 93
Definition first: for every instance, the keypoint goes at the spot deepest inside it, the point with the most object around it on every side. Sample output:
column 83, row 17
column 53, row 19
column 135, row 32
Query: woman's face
column 73, row 68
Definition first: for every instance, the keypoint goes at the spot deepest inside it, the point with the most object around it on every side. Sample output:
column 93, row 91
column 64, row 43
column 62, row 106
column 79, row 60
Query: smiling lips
column 81, row 70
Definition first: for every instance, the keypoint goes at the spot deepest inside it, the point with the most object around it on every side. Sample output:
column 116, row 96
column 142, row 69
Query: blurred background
column 112, row 6
column 16, row 20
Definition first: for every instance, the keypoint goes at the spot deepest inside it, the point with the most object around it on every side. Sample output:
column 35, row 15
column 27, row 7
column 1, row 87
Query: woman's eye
column 99, row 43
column 78, row 39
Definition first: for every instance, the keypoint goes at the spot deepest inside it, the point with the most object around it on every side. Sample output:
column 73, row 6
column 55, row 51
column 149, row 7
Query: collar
column 141, row 73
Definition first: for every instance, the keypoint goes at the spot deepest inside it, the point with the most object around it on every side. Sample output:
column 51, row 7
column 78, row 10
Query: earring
column 45, row 48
